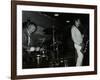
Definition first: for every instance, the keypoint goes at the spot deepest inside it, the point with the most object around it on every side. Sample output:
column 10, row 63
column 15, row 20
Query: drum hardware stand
column 55, row 49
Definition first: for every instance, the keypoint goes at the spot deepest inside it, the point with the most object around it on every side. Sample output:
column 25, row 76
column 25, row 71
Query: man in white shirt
column 77, row 38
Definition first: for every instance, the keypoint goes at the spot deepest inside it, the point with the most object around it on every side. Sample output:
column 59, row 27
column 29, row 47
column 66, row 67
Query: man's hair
column 26, row 24
column 77, row 18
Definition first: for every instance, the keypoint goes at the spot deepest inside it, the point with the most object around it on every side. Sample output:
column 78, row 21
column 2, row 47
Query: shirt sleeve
column 76, row 36
column 24, row 39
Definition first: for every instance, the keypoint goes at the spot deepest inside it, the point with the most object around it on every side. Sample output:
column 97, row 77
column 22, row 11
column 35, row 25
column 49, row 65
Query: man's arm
column 76, row 36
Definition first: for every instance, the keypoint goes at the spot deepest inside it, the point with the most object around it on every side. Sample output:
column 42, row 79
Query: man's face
column 77, row 23
column 31, row 28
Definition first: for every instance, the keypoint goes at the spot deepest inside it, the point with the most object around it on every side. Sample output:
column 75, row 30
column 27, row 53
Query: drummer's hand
column 31, row 49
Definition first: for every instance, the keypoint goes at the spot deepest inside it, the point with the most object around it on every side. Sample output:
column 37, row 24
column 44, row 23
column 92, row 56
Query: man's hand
column 30, row 49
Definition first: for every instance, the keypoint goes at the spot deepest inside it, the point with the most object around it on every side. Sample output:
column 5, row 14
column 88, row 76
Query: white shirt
column 76, row 35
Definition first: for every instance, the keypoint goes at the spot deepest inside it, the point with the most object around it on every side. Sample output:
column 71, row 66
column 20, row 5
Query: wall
column 5, row 40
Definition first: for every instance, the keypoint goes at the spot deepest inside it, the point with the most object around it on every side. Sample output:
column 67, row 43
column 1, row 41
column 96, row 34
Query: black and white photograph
column 52, row 39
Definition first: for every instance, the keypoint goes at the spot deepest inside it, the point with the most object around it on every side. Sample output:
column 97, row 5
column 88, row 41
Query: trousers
column 79, row 55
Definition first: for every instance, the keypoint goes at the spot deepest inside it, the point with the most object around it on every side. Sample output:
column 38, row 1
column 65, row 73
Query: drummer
column 32, row 36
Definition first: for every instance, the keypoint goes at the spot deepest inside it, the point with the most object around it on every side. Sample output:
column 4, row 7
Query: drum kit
column 48, row 54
